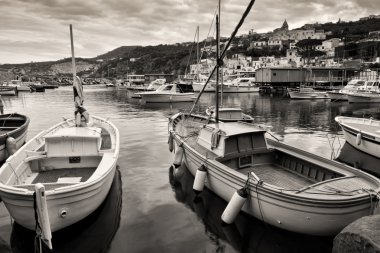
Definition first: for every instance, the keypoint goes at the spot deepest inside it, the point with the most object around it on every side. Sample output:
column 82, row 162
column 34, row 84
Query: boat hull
column 79, row 203
column 18, row 134
column 167, row 98
column 337, row 96
column 369, row 143
column 240, row 89
column 308, row 95
column 362, row 98
column 197, row 87
column 76, row 200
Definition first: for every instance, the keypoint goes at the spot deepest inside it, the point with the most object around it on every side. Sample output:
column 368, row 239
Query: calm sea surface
column 148, row 210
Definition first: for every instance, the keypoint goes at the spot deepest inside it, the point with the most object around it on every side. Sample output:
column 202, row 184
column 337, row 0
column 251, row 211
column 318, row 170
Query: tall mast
column 197, row 53
column 217, row 71
column 221, row 78
column 72, row 53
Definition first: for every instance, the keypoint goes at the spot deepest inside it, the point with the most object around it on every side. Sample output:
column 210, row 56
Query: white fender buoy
column 43, row 214
column 10, row 144
column 171, row 142
column 200, row 179
column 358, row 139
column 178, row 157
column 234, row 206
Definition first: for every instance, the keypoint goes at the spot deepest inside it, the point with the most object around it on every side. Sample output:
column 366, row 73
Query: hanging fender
column 234, row 206
column 171, row 142
column 178, row 156
column 10, row 144
column 200, row 179
column 358, row 138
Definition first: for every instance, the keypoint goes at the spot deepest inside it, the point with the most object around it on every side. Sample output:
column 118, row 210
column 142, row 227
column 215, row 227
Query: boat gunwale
column 340, row 120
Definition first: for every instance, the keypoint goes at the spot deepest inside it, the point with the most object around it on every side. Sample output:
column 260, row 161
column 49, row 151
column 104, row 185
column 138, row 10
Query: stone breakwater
column 363, row 235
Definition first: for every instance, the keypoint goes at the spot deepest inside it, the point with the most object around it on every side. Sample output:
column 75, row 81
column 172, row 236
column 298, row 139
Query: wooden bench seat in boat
column 279, row 169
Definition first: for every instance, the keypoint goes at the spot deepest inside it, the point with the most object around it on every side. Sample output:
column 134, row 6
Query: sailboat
column 62, row 174
column 281, row 185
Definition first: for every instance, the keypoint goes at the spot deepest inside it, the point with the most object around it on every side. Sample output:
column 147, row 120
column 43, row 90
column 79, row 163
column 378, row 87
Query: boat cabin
column 232, row 139
column 176, row 88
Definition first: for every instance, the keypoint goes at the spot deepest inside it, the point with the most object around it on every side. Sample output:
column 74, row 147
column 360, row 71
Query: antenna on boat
column 220, row 58
column 81, row 115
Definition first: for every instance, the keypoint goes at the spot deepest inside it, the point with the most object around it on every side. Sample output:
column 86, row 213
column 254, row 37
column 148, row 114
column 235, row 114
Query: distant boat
column 307, row 93
column 229, row 114
column 138, row 88
column 8, row 91
column 351, row 87
column 12, row 125
column 20, row 86
column 169, row 93
column 361, row 133
column 37, row 87
column 241, row 85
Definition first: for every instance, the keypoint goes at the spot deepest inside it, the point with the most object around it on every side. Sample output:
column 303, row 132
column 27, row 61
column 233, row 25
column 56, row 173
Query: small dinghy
column 13, row 130
column 63, row 174
column 361, row 133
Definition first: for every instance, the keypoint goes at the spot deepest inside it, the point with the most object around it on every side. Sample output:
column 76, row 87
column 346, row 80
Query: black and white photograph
column 189, row 126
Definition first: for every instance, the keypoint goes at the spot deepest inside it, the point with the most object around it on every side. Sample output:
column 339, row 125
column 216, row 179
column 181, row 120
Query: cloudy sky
column 38, row 30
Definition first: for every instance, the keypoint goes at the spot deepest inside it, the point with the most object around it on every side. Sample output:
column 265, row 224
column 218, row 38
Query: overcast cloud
column 38, row 30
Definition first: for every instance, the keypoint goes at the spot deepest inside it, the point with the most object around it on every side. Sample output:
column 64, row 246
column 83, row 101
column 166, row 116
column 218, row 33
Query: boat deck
column 278, row 176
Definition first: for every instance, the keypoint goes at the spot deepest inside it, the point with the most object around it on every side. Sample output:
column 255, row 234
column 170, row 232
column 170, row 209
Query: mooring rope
column 37, row 238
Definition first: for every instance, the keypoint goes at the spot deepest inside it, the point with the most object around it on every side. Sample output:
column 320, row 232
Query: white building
column 258, row 44
column 329, row 46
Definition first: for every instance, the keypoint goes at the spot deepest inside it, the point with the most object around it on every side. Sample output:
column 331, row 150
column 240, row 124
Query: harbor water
column 149, row 210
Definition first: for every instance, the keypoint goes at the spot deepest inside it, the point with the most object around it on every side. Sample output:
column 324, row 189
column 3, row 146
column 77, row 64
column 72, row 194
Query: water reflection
column 92, row 234
column 246, row 234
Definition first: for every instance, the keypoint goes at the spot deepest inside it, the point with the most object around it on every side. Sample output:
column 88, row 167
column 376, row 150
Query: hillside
column 169, row 59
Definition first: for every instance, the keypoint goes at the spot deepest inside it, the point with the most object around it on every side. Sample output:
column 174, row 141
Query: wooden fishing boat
column 286, row 187
column 281, row 185
column 64, row 173
column 14, row 126
column 363, row 134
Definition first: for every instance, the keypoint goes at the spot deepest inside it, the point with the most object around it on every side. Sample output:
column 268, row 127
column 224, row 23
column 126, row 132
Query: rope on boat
column 38, row 230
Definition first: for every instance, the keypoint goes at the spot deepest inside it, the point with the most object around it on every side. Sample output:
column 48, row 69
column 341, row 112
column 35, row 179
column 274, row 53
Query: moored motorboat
column 351, row 87
column 361, row 133
column 169, row 93
column 241, row 85
column 12, row 126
